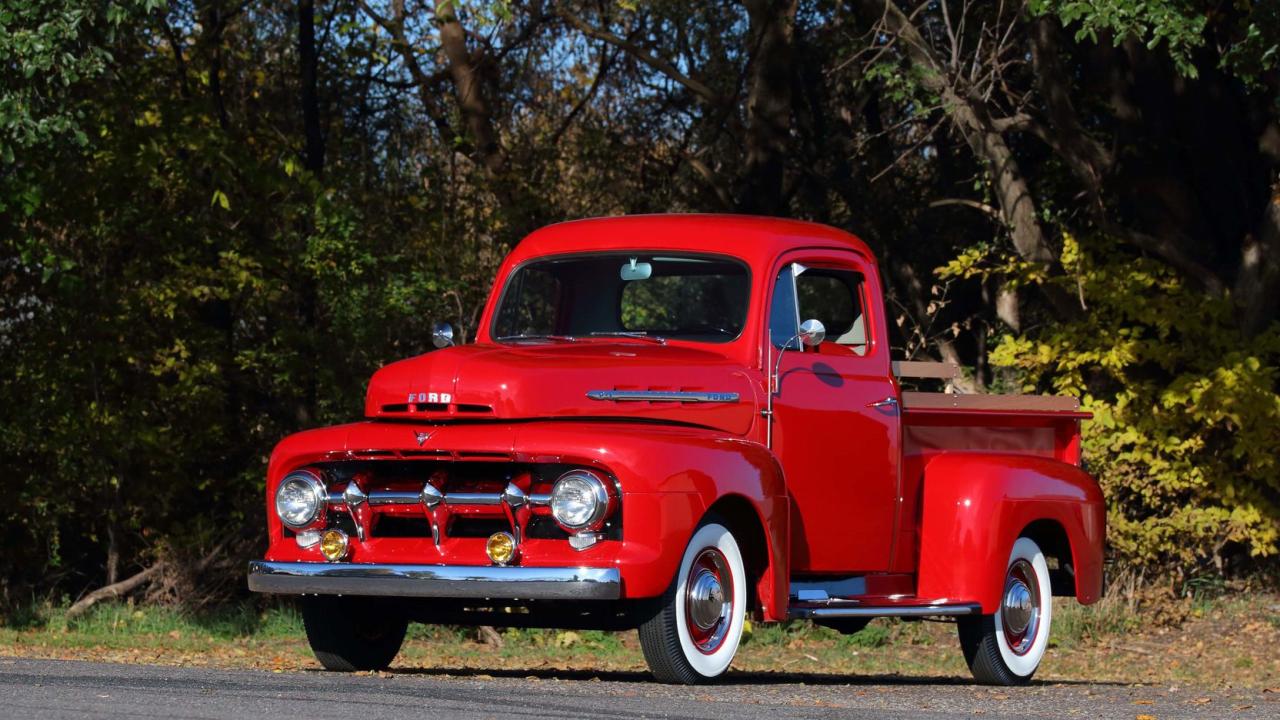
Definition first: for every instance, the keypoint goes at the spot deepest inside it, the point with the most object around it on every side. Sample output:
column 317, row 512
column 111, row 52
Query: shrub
column 1186, row 409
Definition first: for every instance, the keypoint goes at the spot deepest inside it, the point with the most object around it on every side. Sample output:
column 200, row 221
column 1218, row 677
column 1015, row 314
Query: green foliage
column 1186, row 410
column 1177, row 25
column 872, row 636
column 49, row 48
column 1180, row 27
column 117, row 621
column 182, row 284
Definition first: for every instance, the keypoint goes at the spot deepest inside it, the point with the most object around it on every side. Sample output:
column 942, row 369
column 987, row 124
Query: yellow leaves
column 567, row 639
column 1071, row 256
column 220, row 198
column 149, row 118
column 1186, row 412
column 966, row 265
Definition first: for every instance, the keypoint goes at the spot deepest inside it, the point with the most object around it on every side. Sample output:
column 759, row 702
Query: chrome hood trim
column 663, row 396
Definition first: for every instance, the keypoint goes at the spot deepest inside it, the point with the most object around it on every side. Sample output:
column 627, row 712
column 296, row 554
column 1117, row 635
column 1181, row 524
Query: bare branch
column 993, row 213
column 699, row 89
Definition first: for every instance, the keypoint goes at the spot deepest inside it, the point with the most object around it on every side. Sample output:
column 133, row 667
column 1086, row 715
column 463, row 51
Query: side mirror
column 442, row 335
column 812, row 332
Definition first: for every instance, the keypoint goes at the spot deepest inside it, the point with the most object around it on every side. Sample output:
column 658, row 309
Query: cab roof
column 756, row 240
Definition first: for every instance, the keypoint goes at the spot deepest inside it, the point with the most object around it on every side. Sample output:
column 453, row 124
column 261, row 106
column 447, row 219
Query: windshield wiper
column 557, row 338
column 635, row 334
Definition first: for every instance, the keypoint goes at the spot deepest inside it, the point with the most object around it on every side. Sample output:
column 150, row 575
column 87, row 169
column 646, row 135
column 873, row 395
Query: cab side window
column 835, row 298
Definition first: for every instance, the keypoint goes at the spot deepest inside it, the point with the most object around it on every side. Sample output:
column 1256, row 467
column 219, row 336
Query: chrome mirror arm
column 777, row 365
column 811, row 333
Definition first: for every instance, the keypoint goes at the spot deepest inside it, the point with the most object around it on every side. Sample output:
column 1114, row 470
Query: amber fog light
column 333, row 545
column 501, row 548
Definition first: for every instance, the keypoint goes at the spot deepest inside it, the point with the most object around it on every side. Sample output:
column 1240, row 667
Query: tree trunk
column 772, row 24
column 1086, row 157
column 971, row 117
column 1258, row 280
column 469, row 90
column 113, row 553
column 314, row 156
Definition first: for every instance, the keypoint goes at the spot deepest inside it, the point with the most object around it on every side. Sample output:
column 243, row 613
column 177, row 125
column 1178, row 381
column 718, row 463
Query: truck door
column 835, row 414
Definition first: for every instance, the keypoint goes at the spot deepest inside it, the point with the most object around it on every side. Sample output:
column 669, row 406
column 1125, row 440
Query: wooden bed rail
column 930, row 370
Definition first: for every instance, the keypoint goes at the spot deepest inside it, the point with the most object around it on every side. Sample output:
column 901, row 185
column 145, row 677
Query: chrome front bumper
column 439, row 581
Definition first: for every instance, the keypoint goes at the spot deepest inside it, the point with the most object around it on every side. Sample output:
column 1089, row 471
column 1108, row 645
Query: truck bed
column 933, row 422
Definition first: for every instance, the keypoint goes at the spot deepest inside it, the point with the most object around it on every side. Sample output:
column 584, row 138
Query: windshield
column 684, row 297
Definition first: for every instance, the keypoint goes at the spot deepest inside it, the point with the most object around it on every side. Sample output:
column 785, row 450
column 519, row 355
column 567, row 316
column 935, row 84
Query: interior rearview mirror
column 634, row 270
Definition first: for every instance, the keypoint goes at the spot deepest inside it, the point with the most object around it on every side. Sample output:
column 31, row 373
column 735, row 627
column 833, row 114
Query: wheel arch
column 1052, row 539
column 744, row 521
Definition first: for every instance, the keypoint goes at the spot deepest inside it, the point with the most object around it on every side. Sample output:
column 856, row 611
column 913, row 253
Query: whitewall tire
column 695, row 632
column 1005, row 648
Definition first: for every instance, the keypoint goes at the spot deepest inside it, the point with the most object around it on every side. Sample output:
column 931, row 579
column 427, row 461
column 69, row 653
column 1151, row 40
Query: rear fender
column 976, row 505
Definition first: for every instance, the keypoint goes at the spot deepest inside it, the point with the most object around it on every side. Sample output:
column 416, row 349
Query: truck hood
column 552, row 380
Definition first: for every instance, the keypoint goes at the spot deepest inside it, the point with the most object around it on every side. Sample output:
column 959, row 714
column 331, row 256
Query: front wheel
column 1006, row 648
column 695, row 633
column 349, row 633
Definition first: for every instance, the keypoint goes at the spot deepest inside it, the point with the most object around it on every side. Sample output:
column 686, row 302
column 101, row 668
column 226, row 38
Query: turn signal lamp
column 333, row 545
column 501, row 548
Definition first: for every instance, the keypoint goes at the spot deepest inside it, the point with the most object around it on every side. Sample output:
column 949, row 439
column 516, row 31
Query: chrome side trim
column 443, row 581
column 818, row 613
column 663, row 396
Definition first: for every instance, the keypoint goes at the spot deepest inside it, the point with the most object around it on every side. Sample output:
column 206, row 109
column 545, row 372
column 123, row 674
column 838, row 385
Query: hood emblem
column 423, row 436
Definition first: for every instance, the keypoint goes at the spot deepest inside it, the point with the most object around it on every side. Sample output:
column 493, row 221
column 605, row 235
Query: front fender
column 670, row 477
column 977, row 504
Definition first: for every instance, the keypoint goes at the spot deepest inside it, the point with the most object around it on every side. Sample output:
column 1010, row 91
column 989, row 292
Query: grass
column 1115, row 640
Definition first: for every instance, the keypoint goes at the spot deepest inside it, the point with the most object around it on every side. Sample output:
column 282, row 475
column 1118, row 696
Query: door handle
column 887, row 402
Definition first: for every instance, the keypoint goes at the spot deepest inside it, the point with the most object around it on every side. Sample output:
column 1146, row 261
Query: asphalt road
column 63, row 689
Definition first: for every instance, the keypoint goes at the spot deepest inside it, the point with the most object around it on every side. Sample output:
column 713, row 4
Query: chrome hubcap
column 708, row 600
column 1020, row 607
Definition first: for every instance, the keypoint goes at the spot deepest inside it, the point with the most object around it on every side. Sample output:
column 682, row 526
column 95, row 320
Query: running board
column 796, row 612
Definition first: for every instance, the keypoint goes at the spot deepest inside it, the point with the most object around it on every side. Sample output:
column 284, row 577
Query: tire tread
column 982, row 654
column 330, row 623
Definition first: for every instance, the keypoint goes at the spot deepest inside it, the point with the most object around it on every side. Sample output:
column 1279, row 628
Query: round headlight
column 580, row 501
column 300, row 499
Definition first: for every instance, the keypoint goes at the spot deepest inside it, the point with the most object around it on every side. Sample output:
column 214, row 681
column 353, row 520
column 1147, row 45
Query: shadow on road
column 733, row 678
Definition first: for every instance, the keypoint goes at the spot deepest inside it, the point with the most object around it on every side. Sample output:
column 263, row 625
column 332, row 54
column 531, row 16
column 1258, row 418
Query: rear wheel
column 695, row 633
column 1006, row 648
column 349, row 634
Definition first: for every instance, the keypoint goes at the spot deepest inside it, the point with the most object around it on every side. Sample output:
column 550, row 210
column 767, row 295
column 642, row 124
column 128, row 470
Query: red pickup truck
column 669, row 423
